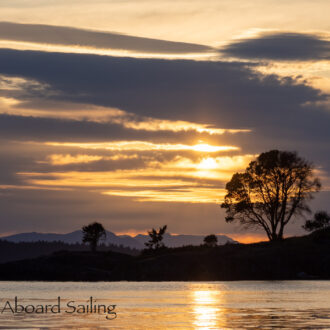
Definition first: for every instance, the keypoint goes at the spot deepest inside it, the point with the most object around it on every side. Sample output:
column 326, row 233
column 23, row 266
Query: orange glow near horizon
column 248, row 238
column 241, row 238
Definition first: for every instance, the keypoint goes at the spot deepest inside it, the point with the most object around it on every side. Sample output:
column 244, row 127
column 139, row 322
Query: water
column 174, row 305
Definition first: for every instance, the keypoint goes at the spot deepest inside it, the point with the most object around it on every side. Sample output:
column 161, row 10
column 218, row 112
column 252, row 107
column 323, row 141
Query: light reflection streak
column 207, row 309
column 35, row 46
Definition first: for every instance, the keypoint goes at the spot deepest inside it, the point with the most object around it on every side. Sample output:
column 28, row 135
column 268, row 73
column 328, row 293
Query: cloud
column 204, row 92
column 180, row 179
column 108, row 136
column 146, row 146
column 281, row 112
column 74, row 37
column 59, row 159
column 15, row 101
column 144, row 97
column 281, row 46
column 64, row 211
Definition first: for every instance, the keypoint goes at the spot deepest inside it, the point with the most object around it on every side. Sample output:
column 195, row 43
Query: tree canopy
column 321, row 220
column 156, row 238
column 274, row 189
column 92, row 234
column 211, row 240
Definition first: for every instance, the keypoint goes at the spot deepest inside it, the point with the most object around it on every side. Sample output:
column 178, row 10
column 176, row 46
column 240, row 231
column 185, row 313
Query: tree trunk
column 93, row 246
column 277, row 237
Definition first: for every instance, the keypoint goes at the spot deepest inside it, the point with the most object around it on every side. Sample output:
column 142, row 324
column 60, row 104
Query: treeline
column 306, row 257
column 10, row 251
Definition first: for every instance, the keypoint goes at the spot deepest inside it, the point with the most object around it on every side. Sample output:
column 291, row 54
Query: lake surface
column 171, row 305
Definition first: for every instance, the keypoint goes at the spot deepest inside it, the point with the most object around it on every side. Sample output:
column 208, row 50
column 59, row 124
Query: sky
column 135, row 114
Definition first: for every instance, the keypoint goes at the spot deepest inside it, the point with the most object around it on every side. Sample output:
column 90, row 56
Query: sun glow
column 207, row 148
column 207, row 164
column 189, row 179
column 143, row 146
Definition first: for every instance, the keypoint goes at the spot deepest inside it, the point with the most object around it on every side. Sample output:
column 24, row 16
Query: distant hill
column 11, row 251
column 72, row 238
column 136, row 242
column 306, row 257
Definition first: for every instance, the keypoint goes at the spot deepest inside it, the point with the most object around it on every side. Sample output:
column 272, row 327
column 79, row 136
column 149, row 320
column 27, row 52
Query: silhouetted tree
column 273, row 189
column 156, row 237
column 210, row 240
column 92, row 234
column 321, row 220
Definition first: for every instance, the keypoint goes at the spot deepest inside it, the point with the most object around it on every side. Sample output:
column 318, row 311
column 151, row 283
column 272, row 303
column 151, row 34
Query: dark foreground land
column 306, row 257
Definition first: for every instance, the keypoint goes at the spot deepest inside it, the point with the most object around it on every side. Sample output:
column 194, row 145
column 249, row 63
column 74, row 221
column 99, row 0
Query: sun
column 207, row 164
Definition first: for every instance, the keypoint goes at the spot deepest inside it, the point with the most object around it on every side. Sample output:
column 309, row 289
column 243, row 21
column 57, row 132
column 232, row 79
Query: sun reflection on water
column 207, row 309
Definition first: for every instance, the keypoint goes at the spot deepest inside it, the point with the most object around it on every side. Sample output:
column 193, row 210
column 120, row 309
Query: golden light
column 8, row 101
column 77, row 49
column 206, row 310
column 208, row 148
column 182, row 179
column 142, row 146
column 184, row 195
column 58, row 159
column 207, row 164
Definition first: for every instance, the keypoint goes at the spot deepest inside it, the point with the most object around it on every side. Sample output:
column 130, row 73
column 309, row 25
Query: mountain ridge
column 136, row 241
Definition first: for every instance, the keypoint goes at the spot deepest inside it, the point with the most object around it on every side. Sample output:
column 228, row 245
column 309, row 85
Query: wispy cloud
column 144, row 146
column 181, row 179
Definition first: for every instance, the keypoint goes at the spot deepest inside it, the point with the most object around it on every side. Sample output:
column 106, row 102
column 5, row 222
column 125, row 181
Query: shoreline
column 295, row 258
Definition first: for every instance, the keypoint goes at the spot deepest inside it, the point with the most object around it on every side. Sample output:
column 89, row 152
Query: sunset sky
column 135, row 114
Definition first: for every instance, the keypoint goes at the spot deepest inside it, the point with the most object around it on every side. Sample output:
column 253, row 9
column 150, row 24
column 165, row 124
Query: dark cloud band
column 281, row 46
column 68, row 36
